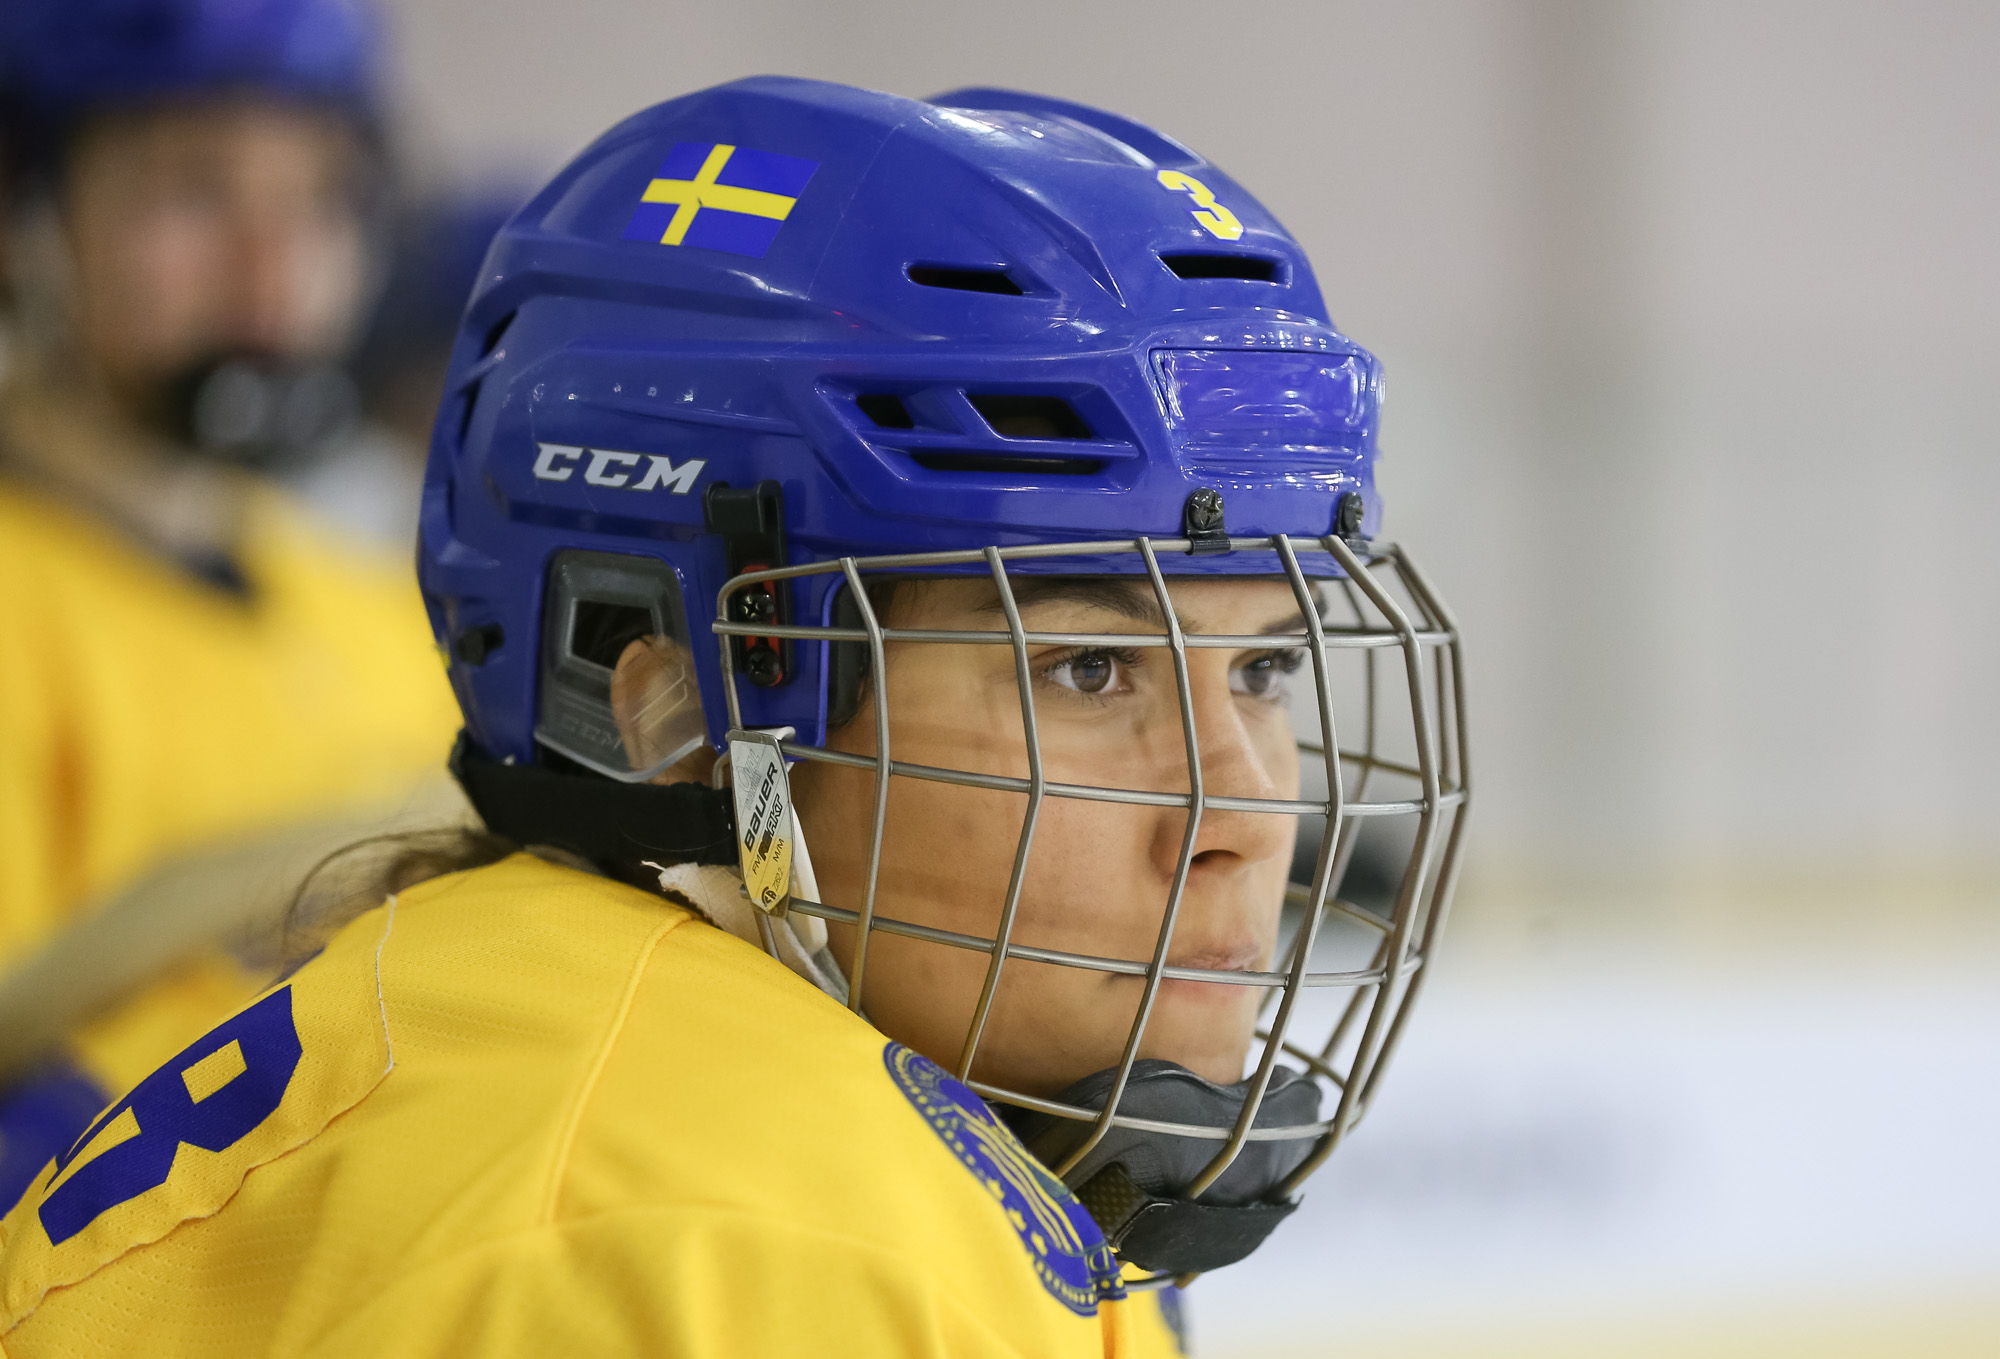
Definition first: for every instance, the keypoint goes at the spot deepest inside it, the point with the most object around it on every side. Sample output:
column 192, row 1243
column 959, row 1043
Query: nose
column 265, row 300
column 1243, row 755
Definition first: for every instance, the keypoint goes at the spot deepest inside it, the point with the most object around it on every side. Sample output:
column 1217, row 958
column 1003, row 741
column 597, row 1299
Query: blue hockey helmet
column 786, row 321
column 63, row 60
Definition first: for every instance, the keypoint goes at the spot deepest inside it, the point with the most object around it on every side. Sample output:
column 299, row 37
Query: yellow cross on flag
column 689, row 203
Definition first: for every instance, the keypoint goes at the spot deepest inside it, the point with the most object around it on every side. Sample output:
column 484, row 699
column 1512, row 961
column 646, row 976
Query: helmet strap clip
column 751, row 522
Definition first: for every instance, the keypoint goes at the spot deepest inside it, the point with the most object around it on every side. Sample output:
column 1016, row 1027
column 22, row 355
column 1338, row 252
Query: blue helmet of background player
column 760, row 347
column 62, row 61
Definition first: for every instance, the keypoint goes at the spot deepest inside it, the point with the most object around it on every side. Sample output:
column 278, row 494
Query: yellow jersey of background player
column 202, row 687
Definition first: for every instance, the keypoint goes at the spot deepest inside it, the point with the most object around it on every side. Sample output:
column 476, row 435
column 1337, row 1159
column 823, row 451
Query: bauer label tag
column 763, row 819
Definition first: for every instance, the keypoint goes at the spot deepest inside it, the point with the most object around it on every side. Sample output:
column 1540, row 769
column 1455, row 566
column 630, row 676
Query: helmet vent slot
column 1029, row 417
column 965, row 280
column 468, row 400
column 1255, row 268
column 1008, row 464
column 886, row 409
column 495, row 333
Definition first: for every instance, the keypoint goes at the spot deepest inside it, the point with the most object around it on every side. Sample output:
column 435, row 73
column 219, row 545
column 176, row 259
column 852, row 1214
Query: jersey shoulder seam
column 580, row 1103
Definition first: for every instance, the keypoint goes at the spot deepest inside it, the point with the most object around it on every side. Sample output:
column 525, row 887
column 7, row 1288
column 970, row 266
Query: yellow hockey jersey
column 144, row 713
column 524, row 1110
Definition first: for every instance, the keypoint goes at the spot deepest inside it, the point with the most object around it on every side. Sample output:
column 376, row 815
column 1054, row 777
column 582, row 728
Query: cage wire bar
column 1381, row 993
column 878, row 659
column 1036, row 787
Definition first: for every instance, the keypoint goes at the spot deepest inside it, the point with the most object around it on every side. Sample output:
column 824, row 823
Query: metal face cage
column 1381, row 731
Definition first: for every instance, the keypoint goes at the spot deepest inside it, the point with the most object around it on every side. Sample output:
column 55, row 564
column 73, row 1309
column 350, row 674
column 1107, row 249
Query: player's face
column 1100, row 873
column 228, row 227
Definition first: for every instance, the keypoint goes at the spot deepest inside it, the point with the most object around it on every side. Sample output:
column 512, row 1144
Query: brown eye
column 1091, row 672
column 1264, row 677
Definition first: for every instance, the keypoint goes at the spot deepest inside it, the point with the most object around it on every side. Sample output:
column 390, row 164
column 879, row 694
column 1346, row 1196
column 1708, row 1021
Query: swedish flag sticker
column 720, row 197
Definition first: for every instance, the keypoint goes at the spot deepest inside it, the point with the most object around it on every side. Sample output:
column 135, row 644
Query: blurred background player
column 201, row 685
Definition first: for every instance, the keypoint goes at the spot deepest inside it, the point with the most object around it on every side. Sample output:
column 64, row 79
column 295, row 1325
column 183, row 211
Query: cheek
column 1094, row 883
column 150, row 283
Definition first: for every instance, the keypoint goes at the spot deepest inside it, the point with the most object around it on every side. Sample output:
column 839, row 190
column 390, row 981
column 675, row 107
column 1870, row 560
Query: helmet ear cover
column 596, row 606
column 589, row 794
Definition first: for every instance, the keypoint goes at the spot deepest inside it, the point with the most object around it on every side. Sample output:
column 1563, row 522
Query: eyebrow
column 1127, row 599
column 1113, row 596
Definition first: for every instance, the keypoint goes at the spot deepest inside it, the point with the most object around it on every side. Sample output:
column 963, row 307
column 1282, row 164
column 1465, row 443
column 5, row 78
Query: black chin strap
column 1170, row 1234
column 612, row 824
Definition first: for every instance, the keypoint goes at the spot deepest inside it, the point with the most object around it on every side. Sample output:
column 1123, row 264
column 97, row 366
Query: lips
column 1238, row 958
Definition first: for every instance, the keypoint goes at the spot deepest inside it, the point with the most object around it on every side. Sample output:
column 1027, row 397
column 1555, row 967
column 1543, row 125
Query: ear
column 651, row 686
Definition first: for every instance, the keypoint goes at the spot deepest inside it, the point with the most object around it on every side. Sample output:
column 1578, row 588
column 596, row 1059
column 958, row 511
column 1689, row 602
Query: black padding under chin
column 1181, row 1236
column 612, row 824
column 1134, row 1181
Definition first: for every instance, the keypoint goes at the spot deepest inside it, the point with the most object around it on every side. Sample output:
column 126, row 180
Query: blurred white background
column 1691, row 315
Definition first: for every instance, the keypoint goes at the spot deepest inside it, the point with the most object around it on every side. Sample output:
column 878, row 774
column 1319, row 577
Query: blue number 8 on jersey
column 212, row 1095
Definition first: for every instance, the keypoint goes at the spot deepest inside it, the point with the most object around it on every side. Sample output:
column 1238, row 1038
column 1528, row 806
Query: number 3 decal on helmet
column 1215, row 219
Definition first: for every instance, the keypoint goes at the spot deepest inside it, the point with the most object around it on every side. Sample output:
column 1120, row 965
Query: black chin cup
column 1134, row 1181
column 258, row 412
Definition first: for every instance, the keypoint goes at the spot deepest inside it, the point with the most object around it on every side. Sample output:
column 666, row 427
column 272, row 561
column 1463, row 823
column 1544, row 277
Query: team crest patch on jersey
column 1062, row 1241
column 176, row 1148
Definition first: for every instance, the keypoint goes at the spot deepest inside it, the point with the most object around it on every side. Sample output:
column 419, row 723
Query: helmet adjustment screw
column 755, row 605
column 1201, row 521
column 750, row 520
column 1347, row 514
column 761, row 665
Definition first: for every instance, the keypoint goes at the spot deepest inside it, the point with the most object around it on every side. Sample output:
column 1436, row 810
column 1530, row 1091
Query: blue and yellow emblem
column 1062, row 1240
column 720, row 197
